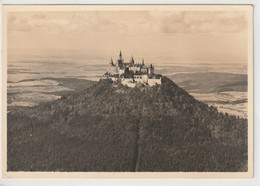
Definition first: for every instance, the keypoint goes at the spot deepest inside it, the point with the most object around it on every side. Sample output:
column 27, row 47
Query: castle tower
column 111, row 62
column 143, row 62
column 120, row 55
column 151, row 70
column 132, row 60
column 120, row 61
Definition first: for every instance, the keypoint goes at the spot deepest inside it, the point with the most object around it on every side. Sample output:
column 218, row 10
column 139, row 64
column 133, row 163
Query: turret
column 151, row 70
column 132, row 60
column 143, row 62
column 111, row 62
column 120, row 55
column 120, row 61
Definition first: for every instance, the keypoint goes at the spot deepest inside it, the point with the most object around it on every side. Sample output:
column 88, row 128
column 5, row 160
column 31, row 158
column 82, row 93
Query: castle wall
column 134, row 68
column 141, row 78
column 128, row 81
column 121, row 71
column 153, row 82
column 114, row 79
column 144, row 70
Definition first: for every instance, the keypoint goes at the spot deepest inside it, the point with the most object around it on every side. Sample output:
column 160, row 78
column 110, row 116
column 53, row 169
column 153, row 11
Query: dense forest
column 108, row 127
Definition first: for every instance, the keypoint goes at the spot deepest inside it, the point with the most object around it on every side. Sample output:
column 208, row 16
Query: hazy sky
column 187, row 36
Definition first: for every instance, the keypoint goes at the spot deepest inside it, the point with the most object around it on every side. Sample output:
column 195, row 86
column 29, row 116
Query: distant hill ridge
column 116, row 128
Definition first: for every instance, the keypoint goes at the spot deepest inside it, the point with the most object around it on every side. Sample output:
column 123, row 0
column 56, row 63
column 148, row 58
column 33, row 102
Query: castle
column 130, row 73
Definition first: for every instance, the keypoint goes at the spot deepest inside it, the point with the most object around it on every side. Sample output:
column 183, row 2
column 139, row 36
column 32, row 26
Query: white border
column 254, row 181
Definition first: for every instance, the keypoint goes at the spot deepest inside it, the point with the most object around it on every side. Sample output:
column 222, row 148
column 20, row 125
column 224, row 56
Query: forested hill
column 115, row 128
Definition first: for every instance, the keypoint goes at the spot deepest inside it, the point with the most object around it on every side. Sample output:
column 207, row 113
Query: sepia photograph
column 138, row 90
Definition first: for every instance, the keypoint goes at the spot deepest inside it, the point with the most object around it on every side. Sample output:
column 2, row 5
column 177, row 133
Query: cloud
column 204, row 22
column 39, row 16
column 129, row 22
column 18, row 24
column 36, row 22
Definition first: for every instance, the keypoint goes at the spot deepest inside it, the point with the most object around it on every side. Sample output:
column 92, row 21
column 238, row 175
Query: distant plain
column 33, row 80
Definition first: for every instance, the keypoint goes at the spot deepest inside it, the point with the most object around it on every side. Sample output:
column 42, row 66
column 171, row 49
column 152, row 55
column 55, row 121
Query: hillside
column 115, row 128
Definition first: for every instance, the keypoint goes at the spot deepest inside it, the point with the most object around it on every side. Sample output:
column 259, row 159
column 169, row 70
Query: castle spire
column 111, row 62
column 143, row 62
column 120, row 55
column 132, row 60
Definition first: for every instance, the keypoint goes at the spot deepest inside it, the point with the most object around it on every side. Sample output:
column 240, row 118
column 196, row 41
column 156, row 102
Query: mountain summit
column 110, row 127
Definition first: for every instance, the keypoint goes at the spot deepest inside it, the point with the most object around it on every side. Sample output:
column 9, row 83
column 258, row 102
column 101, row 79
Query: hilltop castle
column 130, row 73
